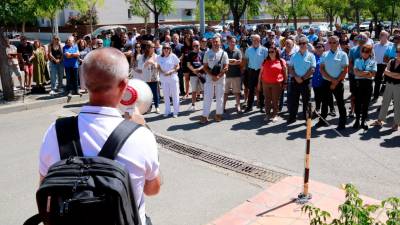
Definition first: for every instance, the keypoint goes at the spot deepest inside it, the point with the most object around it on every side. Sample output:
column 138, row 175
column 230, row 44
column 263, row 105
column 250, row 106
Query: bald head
column 103, row 69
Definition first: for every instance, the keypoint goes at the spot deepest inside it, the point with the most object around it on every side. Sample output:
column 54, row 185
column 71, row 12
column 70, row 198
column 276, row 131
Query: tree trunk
column 331, row 18
column 236, row 21
column 392, row 22
column 156, row 18
column 6, row 79
column 358, row 19
column 23, row 28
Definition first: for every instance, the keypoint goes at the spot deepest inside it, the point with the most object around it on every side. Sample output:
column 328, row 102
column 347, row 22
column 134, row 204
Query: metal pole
column 202, row 18
column 305, row 196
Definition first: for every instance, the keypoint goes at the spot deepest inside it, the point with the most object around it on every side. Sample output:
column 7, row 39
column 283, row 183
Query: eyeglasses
column 366, row 52
column 166, row 48
column 302, row 43
column 319, row 46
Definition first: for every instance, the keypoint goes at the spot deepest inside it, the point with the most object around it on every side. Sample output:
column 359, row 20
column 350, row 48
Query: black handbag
column 217, row 68
column 202, row 79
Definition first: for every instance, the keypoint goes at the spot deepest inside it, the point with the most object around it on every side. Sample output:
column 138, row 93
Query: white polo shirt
column 380, row 50
column 139, row 153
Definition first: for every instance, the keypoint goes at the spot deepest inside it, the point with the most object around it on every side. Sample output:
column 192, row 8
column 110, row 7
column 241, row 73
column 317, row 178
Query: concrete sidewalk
column 273, row 207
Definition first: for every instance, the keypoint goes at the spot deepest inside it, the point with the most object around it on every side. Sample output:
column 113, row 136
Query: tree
column 309, row 9
column 141, row 11
column 331, row 8
column 50, row 8
column 157, row 7
column 239, row 7
column 216, row 10
column 278, row 9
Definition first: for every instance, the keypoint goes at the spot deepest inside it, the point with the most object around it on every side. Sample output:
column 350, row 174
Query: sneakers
column 275, row 119
column 321, row 124
column 175, row 116
column 218, row 118
column 332, row 113
column 52, row 93
column 192, row 108
column 203, row 120
column 158, row 110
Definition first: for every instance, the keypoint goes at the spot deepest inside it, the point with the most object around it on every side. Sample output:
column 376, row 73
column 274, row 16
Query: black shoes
column 321, row 124
column 356, row 124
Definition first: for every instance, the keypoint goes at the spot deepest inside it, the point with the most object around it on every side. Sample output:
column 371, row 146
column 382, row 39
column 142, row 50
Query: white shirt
column 380, row 50
column 149, row 70
column 167, row 64
column 12, row 50
column 139, row 153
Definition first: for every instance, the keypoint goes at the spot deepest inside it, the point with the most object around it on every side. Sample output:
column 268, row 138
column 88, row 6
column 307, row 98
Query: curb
column 35, row 104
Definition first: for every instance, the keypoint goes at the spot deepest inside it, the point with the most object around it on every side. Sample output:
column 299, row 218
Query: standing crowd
column 268, row 68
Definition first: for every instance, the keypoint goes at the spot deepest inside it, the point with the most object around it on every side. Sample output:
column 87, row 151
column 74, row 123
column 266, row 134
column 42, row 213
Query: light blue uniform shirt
column 255, row 57
column 391, row 52
column 301, row 63
column 312, row 38
column 365, row 65
column 334, row 62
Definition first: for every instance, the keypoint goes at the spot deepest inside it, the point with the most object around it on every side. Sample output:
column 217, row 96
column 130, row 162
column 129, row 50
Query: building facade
column 118, row 12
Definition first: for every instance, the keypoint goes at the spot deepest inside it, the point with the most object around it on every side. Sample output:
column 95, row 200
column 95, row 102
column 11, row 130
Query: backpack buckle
column 70, row 160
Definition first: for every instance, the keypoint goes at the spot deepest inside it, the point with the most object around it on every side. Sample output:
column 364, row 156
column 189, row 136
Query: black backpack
column 82, row 190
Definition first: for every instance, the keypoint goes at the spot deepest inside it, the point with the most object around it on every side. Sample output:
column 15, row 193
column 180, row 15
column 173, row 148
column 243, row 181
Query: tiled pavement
column 324, row 196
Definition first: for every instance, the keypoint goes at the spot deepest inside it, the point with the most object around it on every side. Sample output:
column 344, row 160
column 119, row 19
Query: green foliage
column 239, row 7
column 354, row 212
column 215, row 10
column 17, row 11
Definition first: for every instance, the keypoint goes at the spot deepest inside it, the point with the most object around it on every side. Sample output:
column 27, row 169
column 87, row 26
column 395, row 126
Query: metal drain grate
column 221, row 161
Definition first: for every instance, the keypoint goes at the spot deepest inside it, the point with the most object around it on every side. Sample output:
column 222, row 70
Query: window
column 129, row 14
column 188, row 12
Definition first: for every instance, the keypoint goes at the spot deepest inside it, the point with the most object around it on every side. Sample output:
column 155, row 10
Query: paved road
column 193, row 193
column 370, row 160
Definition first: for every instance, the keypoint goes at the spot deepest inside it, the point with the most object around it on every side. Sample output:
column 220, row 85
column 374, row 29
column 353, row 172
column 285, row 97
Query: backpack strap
column 117, row 139
column 68, row 137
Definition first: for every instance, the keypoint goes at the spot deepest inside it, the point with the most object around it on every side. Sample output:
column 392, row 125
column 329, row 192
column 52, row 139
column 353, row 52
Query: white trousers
column 170, row 87
column 211, row 87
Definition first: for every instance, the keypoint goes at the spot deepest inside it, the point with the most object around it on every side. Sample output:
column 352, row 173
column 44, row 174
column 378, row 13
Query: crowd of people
column 268, row 68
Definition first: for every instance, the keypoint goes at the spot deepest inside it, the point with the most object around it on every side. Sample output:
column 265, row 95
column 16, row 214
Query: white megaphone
column 137, row 98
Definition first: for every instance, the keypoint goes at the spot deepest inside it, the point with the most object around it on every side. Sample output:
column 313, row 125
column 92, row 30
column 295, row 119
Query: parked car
column 182, row 28
column 320, row 27
column 261, row 26
column 106, row 29
column 349, row 26
column 250, row 26
column 306, row 29
column 364, row 26
column 218, row 27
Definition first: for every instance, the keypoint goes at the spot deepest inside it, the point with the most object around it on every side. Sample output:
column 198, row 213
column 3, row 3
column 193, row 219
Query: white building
column 118, row 12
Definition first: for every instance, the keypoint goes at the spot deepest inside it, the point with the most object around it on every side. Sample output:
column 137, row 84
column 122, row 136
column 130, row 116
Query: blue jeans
column 154, row 89
column 56, row 75
column 72, row 79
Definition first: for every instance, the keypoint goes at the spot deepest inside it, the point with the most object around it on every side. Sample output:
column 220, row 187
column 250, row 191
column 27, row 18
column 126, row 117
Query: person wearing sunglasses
column 302, row 66
column 334, row 68
column 379, row 52
column 168, row 64
column 392, row 92
column 364, row 70
column 195, row 65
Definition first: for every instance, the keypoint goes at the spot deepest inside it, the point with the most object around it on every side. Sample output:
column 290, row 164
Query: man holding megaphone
column 105, row 72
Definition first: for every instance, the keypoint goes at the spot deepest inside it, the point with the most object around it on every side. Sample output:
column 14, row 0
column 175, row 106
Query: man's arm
column 309, row 73
column 324, row 73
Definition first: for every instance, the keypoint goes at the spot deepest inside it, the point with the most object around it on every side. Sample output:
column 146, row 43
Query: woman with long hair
column 392, row 91
column 186, row 49
column 55, row 55
column 84, row 49
column 135, row 72
column 365, row 68
column 273, row 78
column 147, row 66
column 168, row 64
column 38, row 60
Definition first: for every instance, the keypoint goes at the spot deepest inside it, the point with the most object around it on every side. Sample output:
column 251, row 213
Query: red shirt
column 273, row 71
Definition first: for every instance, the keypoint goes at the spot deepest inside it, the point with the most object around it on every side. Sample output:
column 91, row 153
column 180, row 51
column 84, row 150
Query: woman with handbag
column 168, row 64
column 147, row 66
column 273, row 78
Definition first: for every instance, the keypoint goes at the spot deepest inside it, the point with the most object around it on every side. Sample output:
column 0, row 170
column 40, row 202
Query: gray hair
column 104, row 66
column 255, row 36
column 303, row 39
column 334, row 37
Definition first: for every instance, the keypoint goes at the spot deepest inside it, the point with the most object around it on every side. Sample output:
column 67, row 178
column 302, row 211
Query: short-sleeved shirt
column 355, row 53
column 301, row 63
column 380, row 51
column 168, row 63
column 334, row 62
column 12, row 50
column 273, row 71
column 392, row 68
column 234, row 70
column 365, row 65
column 176, row 49
column 312, row 38
column 70, row 62
column 26, row 52
column 212, row 58
column 139, row 154
column 196, row 60
column 391, row 52
column 255, row 57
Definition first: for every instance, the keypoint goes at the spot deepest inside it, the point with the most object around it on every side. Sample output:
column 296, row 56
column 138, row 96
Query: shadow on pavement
column 391, row 143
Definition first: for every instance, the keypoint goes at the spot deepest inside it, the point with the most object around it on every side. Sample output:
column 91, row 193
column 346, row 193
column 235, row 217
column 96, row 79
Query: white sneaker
column 15, row 89
column 175, row 116
column 52, row 93
column 166, row 115
column 192, row 108
column 275, row 119
column 158, row 110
